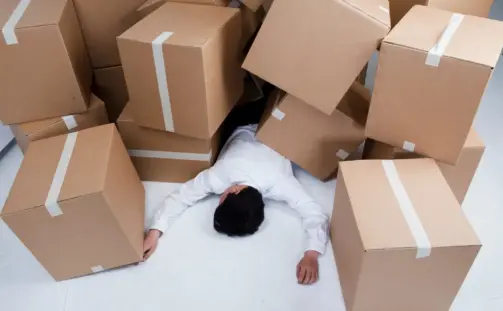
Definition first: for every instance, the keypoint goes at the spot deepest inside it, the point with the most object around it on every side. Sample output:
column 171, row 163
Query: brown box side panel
column 168, row 170
column 398, row 9
column 40, row 64
column 459, row 176
column 224, row 76
column 125, row 195
column 139, row 71
column 76, row 48
column 346, row 242
column 110, row 86
column 85, row 236
column 22, row 139
column 393, row 279
column 188, row 92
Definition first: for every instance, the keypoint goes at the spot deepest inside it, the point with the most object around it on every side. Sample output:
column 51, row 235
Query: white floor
column 196, row 269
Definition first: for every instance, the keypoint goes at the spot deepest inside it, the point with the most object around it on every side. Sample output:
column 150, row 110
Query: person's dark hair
column 240, row 214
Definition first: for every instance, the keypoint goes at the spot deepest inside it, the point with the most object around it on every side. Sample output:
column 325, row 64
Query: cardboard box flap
column 356, row 103
column 30, row 128
column 476, row 40
column 378, row 213
column 32, row 13
column 376, row 9
column 126, row 115
column 172, row 17
column 85, row 173
column 474, row 140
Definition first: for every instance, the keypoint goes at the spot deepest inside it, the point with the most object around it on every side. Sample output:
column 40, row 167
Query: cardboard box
column 45, row 71
column 317, row 60
column 425, row 103
column 198, row 79
column 110, row 86
column 398, row 8
column 400, row 238
column 152, row 5
column 458, row 176
column 101, row 22
column 164, row 156
column 319, row 144
column 77, row 203
column 28, row 132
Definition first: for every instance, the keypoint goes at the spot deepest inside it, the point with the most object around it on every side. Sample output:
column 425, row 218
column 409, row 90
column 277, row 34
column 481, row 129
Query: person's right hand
column 150, row 243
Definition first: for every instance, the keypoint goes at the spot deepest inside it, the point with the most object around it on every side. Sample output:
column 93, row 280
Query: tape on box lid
column 438, row 50
column 278, row 114
column 162, row 80
column 70, row 122
column 409, row 146
column 407, row 208
column 51, row 202
column 9, row 28
column 153, row 154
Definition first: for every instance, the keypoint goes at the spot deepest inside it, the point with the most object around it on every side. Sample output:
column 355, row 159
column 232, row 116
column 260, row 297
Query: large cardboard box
column 398, row 8
column 45, row 71
column 28, row 132
column 400, row 238
column 311, row 139
column 110, row 86
column 164, row 156
column 428, row 86
column 182, row 68
column 101, row 22
column 318, row 59
column 77, row 203
column 458, row 176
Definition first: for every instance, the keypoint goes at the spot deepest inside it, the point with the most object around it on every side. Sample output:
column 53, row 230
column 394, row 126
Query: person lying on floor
column 246, row 172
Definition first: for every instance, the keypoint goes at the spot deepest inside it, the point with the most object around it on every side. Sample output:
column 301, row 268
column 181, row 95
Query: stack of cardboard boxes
column 77, row 202
column 400, row 238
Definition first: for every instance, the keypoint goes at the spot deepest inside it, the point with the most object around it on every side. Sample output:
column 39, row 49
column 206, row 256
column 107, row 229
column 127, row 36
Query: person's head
column 240, row 213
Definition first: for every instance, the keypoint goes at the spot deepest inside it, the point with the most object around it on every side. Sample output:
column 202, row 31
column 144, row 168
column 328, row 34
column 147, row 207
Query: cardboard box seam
column 426, row 53
column 3, row 214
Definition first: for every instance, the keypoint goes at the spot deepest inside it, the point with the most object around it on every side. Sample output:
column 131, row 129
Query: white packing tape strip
column 162, row 79
column 70, row 122
column 408, row 146
column 438, row 50
column 408, row 210
column 278, row 114
column 384, row 9
column 97, row 269
column 342, row 154
column 51, row 203
column 170, row 155
column 9, row 29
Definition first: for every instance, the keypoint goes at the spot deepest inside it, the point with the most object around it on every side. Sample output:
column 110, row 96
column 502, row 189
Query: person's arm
column 205, row 183
column 314, row 218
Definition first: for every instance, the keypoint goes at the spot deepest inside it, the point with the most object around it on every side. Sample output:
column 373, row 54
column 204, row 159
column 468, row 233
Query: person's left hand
column 307, row 269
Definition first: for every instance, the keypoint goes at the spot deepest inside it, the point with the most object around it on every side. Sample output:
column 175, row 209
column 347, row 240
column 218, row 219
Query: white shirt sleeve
column 314, row 218
column 205, row 183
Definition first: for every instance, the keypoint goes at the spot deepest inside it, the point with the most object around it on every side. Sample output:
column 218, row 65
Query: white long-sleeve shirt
column 246, row 161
